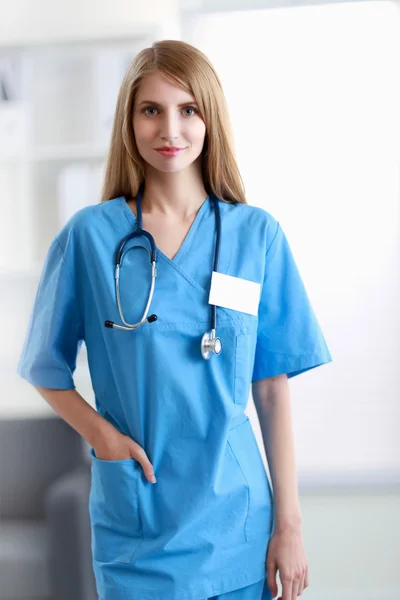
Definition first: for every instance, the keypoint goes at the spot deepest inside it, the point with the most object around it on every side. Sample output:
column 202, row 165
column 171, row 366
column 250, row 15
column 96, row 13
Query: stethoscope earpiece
column 111, row 324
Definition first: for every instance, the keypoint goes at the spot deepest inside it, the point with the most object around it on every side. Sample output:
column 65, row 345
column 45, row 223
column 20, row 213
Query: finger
column 306, row 579
column 286, row 589
column 271, row 579
column 295, row 589
column 141, row 456
column 301, row 585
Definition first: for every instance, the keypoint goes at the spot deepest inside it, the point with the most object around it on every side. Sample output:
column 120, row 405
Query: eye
column 149, row 108
column 195, row 111
column 191, row 108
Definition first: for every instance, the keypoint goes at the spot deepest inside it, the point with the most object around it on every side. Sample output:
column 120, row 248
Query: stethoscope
column 209, row 343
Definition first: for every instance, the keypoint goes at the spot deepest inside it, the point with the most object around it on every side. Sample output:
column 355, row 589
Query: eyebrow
column 157, row 104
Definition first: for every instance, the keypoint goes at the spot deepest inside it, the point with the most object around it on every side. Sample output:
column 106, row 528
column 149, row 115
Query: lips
column 169, row 148
column 169, row 151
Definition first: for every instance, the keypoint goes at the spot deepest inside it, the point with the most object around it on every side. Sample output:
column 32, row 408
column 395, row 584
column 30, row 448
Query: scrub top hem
column 205, row 590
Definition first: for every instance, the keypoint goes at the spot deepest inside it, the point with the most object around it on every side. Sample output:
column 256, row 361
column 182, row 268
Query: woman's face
column 167, row 115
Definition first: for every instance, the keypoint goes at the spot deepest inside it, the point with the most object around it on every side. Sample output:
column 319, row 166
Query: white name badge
column 235, row 293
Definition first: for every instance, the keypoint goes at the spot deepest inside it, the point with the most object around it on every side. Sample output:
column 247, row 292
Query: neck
column 175, row 195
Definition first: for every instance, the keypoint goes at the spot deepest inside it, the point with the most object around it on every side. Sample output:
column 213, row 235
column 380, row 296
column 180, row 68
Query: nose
column 170, row 126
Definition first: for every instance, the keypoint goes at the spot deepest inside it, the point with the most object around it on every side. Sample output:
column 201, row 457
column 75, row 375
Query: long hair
column 185, row 66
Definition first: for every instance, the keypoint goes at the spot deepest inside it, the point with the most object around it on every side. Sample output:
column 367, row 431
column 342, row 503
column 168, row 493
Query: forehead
column 158, row 88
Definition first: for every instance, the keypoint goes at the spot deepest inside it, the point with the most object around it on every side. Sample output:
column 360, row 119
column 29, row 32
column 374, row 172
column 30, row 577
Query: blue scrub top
column 204, row 527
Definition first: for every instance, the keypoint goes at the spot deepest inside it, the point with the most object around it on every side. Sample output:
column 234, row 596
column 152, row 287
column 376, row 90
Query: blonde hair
column 185, row 66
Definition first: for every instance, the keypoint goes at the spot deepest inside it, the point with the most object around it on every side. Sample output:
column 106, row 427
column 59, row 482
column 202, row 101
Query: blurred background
column 313, row 90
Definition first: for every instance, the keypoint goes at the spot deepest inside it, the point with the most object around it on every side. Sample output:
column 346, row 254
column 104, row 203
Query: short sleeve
column 55, row 331
column 289, row 338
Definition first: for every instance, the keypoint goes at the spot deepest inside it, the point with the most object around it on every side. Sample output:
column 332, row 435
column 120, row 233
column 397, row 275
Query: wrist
column 288, row 523
column 99, row 430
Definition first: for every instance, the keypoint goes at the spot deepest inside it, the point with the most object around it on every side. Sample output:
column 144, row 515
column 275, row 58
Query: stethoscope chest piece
column 210, row 345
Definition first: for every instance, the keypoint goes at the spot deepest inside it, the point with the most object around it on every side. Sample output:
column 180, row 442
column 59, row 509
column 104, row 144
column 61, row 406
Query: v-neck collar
column 186, row 242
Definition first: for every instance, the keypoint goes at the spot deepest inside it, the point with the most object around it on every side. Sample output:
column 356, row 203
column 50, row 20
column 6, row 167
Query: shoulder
column 85, row 220
column 248, row 221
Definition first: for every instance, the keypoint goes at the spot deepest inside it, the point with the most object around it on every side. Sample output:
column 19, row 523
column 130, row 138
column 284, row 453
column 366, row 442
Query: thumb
column 140, row 455
column 271, row 578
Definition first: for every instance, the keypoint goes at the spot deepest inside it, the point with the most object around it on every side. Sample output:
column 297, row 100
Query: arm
column 78, row 413
column 106, row 440
column 272, row 401
column 286, row 548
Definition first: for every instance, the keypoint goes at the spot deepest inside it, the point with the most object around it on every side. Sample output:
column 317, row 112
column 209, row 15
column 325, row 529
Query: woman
column 227, row 308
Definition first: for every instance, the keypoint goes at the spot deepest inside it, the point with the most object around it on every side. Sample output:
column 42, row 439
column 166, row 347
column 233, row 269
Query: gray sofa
column 44, row 521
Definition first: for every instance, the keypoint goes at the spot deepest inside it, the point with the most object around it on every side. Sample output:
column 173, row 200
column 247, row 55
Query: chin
column 169, row 165
column 171, row 169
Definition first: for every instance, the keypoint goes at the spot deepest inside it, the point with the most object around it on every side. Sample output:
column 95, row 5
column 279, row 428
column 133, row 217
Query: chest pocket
column 244, row 356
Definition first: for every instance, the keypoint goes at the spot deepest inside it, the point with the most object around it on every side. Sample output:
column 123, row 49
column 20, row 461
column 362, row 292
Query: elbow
column 265, row 391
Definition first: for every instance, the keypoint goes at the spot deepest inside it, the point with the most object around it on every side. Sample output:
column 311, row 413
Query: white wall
column 209, row 6
column 314, row 96
column 39, row 21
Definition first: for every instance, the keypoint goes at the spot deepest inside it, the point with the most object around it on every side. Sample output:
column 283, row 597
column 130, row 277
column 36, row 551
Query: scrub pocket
column 243, row 443
column 243, row 366
column 114, row 509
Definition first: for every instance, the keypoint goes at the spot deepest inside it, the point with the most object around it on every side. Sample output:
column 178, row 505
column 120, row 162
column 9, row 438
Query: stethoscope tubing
column 209, row 344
